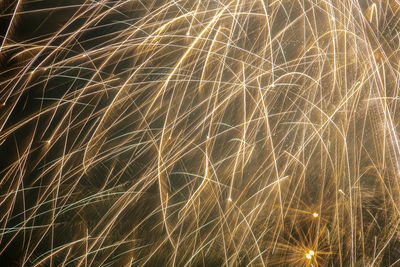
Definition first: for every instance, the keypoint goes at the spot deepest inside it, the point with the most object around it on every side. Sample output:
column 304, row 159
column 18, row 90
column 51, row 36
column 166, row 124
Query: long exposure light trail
column 199, row 133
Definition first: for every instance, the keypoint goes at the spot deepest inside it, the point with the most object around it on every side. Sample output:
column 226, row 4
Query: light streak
column 200, row 133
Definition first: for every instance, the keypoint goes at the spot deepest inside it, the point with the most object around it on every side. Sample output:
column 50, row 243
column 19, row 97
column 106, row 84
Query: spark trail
column 199, row 133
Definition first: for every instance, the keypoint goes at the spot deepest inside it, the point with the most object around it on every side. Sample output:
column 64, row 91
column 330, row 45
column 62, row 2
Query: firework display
column 200, row 133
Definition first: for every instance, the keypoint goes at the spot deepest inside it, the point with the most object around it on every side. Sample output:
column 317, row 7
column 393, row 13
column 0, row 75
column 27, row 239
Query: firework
column 200, row 133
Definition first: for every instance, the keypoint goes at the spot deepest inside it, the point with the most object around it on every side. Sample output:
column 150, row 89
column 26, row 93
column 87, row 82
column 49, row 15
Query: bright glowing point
column 229, row 199
column 311, row 252
column 308, row 256
column 315, row 215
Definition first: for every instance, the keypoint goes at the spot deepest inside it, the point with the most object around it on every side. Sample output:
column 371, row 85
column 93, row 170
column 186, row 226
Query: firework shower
column 200, row 133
